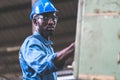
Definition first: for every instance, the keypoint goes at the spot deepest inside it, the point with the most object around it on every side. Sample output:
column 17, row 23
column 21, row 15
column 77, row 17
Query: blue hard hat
column 42, row 6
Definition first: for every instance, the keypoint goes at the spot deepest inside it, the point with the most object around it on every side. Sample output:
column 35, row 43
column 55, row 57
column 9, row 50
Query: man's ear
column 34, row 22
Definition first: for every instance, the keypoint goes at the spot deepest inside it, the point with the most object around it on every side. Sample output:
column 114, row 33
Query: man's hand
column 64, row 54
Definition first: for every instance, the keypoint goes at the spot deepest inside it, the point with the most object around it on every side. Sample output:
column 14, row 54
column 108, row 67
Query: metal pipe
column 9, row 49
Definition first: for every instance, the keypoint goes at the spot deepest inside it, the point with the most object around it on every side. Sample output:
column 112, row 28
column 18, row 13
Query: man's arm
column 64, row 54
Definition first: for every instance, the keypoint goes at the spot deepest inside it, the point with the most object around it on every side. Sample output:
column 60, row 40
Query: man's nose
column 50, row 21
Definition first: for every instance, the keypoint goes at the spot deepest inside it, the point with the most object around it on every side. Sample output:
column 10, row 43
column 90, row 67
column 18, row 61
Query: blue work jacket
column 36, row 57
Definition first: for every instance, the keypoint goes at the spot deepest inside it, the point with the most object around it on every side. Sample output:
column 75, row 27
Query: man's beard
column 50, row 30
column 47, row 31
column 50, row 33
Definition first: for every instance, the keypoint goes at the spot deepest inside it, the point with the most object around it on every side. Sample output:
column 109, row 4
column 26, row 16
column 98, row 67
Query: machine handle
column 118, row 57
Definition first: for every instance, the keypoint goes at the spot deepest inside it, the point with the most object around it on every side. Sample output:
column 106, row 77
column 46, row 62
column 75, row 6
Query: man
column 38, row 60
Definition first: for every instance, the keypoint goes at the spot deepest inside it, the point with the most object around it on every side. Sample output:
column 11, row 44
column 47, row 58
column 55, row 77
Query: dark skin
column 45, row 24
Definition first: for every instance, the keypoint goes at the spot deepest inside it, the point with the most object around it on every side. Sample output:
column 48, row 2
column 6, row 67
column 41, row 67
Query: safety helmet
column 42, row 6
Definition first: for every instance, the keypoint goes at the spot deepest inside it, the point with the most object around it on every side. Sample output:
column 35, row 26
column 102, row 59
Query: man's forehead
column 45, row 14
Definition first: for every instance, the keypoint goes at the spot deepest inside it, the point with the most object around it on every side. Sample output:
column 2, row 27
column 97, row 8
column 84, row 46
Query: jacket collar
column 42, row 39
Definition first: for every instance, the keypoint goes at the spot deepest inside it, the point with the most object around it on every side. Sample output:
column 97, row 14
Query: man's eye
column 45, row 17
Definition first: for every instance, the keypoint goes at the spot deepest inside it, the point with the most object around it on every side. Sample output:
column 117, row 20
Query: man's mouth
column 51, row 28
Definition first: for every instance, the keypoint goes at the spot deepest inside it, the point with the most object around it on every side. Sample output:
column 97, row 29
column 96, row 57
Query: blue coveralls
column 36, row 57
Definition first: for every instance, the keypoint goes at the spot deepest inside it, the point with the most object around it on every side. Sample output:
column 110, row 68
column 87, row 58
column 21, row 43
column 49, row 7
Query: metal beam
column 79, row 33
column 61, row 19
column 26, row 5
column 14, row 8
column 61, row 1
column 9, row 49
column 13, row 26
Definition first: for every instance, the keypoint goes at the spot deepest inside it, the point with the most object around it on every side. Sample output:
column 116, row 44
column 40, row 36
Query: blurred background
column 15, row 26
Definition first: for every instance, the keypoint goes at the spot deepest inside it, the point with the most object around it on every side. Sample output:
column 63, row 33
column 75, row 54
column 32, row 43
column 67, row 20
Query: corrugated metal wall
column 15, row 26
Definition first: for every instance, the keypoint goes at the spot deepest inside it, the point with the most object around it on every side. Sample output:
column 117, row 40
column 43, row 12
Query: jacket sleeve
column 37, row 59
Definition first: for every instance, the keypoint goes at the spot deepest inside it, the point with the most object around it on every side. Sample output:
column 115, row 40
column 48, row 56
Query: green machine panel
column 98, row 40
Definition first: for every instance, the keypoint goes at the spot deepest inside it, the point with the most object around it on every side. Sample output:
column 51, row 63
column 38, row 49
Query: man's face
column 46, row 23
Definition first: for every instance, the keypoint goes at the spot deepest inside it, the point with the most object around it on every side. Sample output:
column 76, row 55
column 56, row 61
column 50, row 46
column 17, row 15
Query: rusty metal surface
column 100, row 41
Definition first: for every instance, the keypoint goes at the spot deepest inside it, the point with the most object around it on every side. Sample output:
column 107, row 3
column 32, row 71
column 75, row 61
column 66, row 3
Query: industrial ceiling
column 15, row 26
